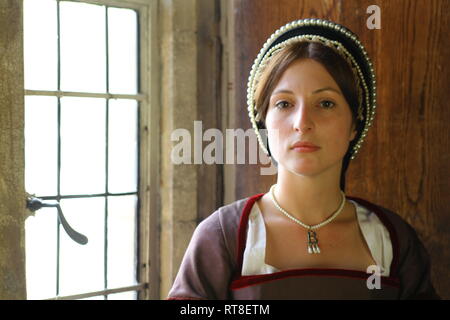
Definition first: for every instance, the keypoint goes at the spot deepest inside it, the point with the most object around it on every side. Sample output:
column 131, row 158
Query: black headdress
column 341, row 40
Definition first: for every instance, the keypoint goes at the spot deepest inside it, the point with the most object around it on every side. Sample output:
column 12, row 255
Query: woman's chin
column 305, row 167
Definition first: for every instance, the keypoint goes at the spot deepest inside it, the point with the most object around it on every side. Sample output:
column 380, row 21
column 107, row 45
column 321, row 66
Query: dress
column 222, row 263
column 375, row 234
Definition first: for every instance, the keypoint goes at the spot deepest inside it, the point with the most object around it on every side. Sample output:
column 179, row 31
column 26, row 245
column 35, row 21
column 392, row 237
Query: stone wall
column 12, row 193
column 190, row 82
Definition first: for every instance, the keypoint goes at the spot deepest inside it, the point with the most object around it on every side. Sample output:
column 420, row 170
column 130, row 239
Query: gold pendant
column 313, row 243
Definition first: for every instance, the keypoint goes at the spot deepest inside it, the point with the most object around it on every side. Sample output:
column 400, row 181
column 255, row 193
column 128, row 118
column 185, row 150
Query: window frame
column 148, row 266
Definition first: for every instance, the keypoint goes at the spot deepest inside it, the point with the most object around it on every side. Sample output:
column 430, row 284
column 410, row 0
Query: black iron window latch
column 34, row 204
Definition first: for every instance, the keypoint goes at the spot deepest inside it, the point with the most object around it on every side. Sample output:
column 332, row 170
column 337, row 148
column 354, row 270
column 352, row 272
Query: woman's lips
column 305, row 147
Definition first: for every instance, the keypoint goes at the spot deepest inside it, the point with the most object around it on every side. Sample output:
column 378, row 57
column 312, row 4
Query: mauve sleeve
column 415, row 270
column 206, row 269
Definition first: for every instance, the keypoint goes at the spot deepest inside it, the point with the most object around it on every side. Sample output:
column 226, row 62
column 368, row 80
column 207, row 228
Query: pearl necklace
column 313, row 242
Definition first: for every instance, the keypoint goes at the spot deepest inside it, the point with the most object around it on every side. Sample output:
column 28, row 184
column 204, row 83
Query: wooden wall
column 404, row 163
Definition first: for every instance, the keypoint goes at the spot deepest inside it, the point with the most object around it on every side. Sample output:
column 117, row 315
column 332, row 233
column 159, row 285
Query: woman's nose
column 302, row 119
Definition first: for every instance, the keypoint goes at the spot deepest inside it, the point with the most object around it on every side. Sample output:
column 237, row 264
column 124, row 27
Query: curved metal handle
column 34, row 204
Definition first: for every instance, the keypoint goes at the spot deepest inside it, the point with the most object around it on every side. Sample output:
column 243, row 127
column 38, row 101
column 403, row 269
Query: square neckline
column 367, row 223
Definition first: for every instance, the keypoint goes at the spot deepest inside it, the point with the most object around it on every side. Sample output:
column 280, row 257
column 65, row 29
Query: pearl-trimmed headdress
column 342, row 41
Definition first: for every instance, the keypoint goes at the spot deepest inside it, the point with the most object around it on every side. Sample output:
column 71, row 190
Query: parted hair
column 334, row 63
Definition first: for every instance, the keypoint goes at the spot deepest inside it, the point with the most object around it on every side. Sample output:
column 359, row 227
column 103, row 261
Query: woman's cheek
column 278, row 133
column 274, row 142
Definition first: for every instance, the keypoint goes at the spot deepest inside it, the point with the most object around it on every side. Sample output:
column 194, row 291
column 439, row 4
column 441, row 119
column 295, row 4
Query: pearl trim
column 265, row 55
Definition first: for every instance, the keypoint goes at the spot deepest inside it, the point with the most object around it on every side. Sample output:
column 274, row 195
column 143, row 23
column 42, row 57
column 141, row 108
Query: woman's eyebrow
column 314, row 92
column 281, row 91
column 325, row 89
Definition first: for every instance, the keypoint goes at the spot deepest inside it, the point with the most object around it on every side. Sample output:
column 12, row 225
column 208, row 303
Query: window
column 83, row 107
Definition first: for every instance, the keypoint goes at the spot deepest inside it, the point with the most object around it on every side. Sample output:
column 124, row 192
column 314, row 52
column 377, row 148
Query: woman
column 313, row 88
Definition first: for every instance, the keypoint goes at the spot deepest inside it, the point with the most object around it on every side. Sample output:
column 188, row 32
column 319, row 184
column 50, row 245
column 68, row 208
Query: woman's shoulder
column 212, row 244
column 407, row 236
column 391, row 219
column 223, row 224
column 404, row 236
column 229, row 216
column 412, row 263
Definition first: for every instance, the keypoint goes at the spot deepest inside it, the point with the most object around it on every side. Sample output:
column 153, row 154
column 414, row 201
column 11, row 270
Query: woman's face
column 307, row 105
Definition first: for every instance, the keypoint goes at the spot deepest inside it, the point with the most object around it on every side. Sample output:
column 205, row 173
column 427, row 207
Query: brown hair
column 336, row 65
column 333, row 62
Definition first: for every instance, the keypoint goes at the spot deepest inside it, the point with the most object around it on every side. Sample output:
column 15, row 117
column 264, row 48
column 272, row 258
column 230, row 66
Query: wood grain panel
column 210, row 192
column 404, row 164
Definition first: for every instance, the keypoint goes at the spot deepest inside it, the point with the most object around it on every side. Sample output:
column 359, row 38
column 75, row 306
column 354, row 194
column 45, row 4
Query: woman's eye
column 327, row 104
column 282, row 104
